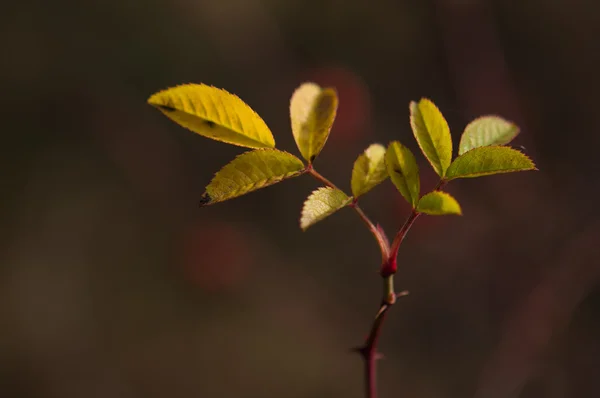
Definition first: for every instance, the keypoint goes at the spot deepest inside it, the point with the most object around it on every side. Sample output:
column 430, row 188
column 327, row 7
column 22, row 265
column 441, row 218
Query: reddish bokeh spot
column 352, row 120
column 216, row 256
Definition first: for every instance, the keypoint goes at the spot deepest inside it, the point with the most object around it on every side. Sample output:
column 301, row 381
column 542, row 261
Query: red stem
column 402, row 233
column 369, row 350
column 318, row 176
column 370, row 355
column 408, row 223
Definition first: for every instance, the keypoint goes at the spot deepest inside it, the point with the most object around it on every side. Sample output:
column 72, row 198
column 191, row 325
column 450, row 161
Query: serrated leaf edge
column 206, row 200
column 505, row 171
column 477, row 119
column 315, row 192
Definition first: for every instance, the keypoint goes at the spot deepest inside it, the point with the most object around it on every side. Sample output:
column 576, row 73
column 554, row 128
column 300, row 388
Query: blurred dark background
column 113, row 283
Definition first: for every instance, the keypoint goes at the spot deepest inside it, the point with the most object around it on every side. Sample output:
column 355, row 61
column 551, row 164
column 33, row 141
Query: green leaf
column 403, row 170
column 438, row 203
column 322, row 203
column 487, row 160
column 432, row 133
column 369, row 170
column 251, row 171
column 214, row 113
column 486, row 131
column 312, row 112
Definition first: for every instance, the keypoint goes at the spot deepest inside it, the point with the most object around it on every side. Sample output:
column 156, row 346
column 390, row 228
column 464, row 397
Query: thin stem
column 369, row 350
column 389, row 291
column 441, row 184
column 382, row 240
column 402, row 233
column 321, row 178
column 378, row 233
column 370, row 355
column 409, row 222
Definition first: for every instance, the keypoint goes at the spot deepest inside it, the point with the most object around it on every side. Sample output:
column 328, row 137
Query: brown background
column 113, row 283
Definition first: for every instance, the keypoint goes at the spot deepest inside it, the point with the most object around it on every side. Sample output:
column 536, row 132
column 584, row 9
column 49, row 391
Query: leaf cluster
column 217, row 114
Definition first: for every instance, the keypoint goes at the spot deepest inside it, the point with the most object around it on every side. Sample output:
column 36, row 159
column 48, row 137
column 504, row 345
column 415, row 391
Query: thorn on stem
column 381, row 310
column 402, row 294
column 362, row 351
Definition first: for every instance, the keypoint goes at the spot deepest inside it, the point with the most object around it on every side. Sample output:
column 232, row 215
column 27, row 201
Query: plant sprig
column 214, row 113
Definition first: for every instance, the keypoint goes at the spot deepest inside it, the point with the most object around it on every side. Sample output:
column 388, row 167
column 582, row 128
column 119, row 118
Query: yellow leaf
column 486, row 131
column 404, row 172
column 251, row 171
column 487, row 160
column 438, row 203
column 312, row 112
column 322, row 203
column 432, row 133
column 214, row 113
column 369, row 170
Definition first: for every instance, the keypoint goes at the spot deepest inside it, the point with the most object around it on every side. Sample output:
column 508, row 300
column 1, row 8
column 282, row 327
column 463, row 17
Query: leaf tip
column 304, row 222
column 411, row 107
column 330, row 91
column 152, row 97
column 532, row 165
column 205, row 199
